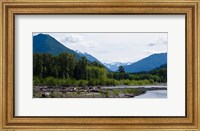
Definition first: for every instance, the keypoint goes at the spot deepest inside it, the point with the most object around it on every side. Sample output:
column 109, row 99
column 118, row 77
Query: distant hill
column 149, row 63
column 43, row 43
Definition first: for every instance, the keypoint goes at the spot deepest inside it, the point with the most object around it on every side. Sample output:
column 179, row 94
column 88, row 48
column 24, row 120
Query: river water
column 154, row 94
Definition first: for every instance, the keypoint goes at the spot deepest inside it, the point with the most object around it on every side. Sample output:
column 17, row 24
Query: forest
column 66, row 70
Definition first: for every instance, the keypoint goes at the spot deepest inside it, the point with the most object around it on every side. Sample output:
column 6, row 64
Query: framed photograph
column 66, row 69
column 99, row 65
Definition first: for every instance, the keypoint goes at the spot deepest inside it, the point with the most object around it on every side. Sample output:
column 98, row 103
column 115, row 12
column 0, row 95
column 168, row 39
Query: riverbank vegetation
column 66, row 70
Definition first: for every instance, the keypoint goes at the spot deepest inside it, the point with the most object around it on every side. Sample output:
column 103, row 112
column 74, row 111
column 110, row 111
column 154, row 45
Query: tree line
column 66, row 69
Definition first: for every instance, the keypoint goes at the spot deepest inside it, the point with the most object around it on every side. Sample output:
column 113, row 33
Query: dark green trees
column 66, row 66
column 80, row 71
column 42, row 65
column 66, row 69
column 121, row 69
column 37, row 65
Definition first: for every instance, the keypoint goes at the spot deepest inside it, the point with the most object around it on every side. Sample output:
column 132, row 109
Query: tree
column 38, row 65
column 66, row 65
column 47, row 65
column 121, row 69
column 80, row 71
column 84, row 68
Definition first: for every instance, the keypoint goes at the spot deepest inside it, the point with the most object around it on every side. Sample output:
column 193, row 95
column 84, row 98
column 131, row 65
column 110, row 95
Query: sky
column 114, row 47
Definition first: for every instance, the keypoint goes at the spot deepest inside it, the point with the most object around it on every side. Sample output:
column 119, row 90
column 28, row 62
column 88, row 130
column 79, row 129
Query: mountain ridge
column 88, row 56
column 147, row 63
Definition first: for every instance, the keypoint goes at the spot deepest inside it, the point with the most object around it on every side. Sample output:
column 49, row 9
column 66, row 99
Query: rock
column 43, row 96
column 128, row 95
column 46, row 93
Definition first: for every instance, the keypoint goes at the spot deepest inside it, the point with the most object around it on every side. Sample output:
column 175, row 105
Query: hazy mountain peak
column 115, row 65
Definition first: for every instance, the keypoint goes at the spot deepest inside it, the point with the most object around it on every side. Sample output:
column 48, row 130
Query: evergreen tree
column 121, row 69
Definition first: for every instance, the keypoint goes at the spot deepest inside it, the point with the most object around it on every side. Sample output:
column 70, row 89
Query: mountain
column 115, row 65
column 88, row 56
column 43, row 43
column 92, row 58
column 149, row 63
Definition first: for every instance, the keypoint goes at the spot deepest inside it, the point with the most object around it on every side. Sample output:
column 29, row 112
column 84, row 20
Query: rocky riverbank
column 90, row 92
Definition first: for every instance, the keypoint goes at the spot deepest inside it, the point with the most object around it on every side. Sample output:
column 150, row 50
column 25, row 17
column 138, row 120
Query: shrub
column 116, row 92
column 92, row 82
column 50, row 81
column 36, row 81
column 107, row 93
column 83, row 83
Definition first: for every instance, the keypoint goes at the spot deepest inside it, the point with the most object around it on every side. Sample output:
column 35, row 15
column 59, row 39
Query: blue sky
column 114, row 47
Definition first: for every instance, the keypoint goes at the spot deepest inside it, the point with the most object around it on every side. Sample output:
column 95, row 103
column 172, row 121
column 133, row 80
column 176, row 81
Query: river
column 154, row 94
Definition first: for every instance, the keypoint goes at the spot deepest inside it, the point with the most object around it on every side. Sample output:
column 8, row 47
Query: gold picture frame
column 9, row 8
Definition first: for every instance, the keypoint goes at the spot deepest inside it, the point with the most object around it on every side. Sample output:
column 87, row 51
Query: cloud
column 158, row 42
column 150, row 52
column 115, row 47
column 72, row 39
column 151, row 44
column 78, row 42
column 159, row 46
column 161, row 41
column 164, row 43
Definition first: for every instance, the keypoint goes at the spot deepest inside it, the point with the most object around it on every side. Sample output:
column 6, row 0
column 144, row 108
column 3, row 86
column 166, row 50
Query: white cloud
column 149, row 52
column 115, row 47
column 161, row 41
column 158, row 46
column 77, row 42
column 151, row 44
column 72, row 38
column 158, row 42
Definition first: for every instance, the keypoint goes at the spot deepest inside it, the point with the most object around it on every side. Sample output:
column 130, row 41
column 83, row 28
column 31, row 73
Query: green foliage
column 36, row 81
column 94, row 72
column 133, row 91
column 66, row 63
column 116, row 92
column 50, row 81
column 107, row 93
column 83, row 83
column 65, row 70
